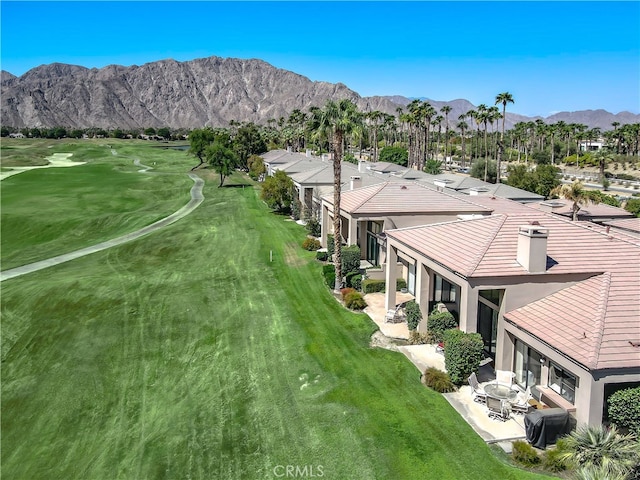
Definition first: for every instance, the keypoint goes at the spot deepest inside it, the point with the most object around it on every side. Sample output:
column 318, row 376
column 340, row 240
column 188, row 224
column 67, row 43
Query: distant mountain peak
column 205, row 91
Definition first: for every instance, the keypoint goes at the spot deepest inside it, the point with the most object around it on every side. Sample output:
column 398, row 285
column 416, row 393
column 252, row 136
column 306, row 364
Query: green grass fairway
column 51, row 211
column 189, row 355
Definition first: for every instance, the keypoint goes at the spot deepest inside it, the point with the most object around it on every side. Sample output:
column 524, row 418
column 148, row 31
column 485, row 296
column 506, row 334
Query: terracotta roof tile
column 402, row 197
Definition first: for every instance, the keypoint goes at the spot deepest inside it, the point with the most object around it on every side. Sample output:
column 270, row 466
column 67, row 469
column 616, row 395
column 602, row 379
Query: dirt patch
column 291, row 256
column 379, row 340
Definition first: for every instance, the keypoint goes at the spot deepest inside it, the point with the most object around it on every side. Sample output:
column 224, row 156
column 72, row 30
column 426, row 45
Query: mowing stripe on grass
column 196, row 199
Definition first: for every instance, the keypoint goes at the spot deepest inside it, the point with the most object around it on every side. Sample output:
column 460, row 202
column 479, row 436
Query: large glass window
column 527, row 365
column 443, row 291
column 562, row 382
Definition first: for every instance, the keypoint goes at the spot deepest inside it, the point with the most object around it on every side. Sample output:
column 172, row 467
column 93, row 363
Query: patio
column 423, row 356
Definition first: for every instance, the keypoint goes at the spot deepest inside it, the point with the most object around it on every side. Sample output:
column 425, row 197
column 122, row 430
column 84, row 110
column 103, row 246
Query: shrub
column 329, row 274
column 345, row 291
column 322, row 256
column 372, row 286
column 524, row 453
column 624, row 409
column 417, row 338
column 354, row 301
column 438, row 380
column 440, row 322
column 595, row 446
column 462, row 354
column 350, row 259
column 311, row 244
column 355, row 279
column 349, row 278
column 331, row 246
column 414, row 315
column 553, row 459
column 313, row 227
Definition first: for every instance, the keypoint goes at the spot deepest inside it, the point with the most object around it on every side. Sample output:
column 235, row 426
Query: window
column 443, row 291
column 527, row 365
column 373, row 247
column 488, row 311
column 562, row 382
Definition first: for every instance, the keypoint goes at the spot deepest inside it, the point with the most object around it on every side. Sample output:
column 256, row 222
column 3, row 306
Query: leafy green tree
column 278, row 192
column 596, row 196
column 246, row 142
column 150, row 131
column 397, row 155
column 199, row 140
column 164, row 132
column 256, row 166
column 633, row 206
column 77, row 133
column 546, row 179
column 484, row 169
column 222, row 159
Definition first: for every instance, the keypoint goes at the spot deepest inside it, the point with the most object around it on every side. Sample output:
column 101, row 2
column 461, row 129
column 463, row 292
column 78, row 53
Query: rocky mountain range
column 207, row 91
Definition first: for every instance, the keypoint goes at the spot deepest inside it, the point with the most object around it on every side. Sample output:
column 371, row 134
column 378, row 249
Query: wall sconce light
column 542, row 360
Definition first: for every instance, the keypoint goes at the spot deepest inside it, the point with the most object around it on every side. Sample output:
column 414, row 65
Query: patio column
column 391, row 276
column 353, row 231
column 422, row 294
column 324, row 225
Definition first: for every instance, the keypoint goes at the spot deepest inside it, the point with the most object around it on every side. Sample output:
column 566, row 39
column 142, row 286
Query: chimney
column 362, row 166
column 308, row 153
column 356, row 182
column 289, row 149
column 532, row 247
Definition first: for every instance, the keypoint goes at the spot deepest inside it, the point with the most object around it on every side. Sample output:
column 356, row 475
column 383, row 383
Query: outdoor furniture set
column 501, row 397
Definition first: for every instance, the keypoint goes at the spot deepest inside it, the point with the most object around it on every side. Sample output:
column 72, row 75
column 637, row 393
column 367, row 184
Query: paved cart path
column 196, row 200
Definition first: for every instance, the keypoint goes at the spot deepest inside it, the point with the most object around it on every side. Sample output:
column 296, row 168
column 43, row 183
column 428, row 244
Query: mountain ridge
column 205, row 91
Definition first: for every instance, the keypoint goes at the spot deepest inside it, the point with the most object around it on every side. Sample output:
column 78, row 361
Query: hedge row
column 374, row 286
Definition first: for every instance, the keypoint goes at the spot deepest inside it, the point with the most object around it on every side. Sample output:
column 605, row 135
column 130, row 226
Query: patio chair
column 477, row 391
column 504, row 377
column 498, row 409
column 521, row 405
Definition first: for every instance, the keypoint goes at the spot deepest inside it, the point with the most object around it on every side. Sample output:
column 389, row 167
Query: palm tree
column 603, row 157
column 575, row 193
column 337, row 119
column 502, row 98
column 601, row 448
column 446, row 109
column 462, row 126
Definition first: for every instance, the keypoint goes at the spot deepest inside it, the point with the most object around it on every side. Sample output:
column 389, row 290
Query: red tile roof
column 592, row 321
column 401, row 197
column 595, row 322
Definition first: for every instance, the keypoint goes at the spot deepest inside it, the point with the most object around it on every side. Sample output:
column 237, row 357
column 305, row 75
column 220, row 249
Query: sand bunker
column 55, row 160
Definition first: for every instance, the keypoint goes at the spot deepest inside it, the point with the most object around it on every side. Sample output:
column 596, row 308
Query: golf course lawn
column 189, row 354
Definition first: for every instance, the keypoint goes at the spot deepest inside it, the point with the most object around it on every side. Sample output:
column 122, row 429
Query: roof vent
column 403, row 187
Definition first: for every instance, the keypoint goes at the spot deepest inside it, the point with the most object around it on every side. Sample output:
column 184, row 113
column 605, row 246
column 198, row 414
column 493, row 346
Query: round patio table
column 502, row 392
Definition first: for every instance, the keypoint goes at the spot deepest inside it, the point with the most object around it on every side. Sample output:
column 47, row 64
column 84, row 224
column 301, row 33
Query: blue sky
column 551, row 56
